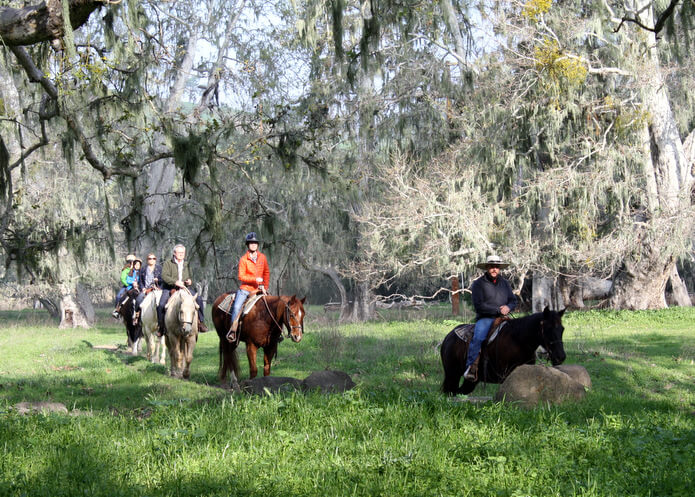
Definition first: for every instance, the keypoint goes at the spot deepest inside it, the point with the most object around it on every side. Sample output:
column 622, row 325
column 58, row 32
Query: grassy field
column 133, row 431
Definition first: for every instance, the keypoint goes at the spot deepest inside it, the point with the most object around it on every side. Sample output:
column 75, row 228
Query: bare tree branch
column 660, row 22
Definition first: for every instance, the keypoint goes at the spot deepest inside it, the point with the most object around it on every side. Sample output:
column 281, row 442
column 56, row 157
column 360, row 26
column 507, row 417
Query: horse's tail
column 229, row 360
column 452, row 362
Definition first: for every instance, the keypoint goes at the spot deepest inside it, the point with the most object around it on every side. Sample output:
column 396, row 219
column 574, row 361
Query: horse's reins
column 194, row 314
column 288, row 323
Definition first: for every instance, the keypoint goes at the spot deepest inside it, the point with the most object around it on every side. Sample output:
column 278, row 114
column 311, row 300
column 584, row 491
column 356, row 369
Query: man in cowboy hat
column 254, row 276
column 492, row 297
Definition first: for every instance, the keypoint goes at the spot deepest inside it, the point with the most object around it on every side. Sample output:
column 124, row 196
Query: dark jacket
column 170, row 273
column 157, row 276
column 488, row 296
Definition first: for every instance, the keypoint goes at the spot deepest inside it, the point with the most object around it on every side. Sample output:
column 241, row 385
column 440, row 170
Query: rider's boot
column 201, row 326
column 231, row 335
column 116, row 312
column 471, row 373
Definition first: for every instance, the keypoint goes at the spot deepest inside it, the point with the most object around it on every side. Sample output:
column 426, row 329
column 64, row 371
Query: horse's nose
column 296, row 338
column 187, row 328
column 559, row 358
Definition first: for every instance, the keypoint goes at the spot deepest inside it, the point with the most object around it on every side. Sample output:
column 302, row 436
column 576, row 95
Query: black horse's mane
column 525, row 322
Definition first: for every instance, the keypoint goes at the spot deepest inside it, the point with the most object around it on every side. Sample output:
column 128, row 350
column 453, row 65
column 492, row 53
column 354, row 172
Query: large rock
column 272, row 384
column 528, row 385
column 322, row 381
column 328, row 381
column 577, row 373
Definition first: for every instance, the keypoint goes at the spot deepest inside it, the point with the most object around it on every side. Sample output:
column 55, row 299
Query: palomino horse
column 148, row 317
column 134, row 331
column 260, row 328
column 181, row 320
column 514, row 345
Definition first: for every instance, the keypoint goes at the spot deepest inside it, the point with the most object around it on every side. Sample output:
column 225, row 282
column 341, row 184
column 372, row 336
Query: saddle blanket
column 226, row 305
column 465, row 332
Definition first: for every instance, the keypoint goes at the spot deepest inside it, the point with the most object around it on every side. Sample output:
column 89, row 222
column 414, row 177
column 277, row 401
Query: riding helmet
column 251, row 238
column 130, row 258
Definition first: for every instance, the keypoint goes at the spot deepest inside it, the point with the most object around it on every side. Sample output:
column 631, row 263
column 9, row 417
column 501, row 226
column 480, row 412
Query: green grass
column 134, row 431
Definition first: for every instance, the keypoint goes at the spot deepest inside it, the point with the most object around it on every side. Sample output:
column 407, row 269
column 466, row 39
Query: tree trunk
column 641, row 281
column 363, row 303
column 158, row 181
column 76, row 309
column 42, row 22
column 546, row 292
column 576, row 290
column 455, row 296
column 680, row 291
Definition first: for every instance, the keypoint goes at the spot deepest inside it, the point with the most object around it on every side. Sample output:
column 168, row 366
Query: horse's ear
column 546, row 311
column 563, row 311
column 293, row 297
column 303, row 299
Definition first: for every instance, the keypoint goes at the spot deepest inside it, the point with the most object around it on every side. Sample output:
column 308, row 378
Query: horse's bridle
column 288, row 323
column 547, row 345
column 194, row 314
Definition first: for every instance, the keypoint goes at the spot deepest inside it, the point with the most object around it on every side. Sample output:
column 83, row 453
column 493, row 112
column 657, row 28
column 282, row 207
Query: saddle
column 228, row 302
column 465, row 331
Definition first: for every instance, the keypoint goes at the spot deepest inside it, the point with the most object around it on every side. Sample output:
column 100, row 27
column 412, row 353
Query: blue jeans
column 120, row 294
column 241, row 296
column 482, row 328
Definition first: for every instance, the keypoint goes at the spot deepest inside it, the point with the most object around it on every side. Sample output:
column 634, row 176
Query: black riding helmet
column 251, row 238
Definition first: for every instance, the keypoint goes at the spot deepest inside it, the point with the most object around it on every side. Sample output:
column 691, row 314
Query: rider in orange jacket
column 254, row 276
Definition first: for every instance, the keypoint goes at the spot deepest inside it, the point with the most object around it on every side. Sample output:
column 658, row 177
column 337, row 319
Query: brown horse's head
column 294, row 317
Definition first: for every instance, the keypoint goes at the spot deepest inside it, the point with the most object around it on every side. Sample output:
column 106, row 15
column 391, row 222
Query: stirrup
column 471, row 373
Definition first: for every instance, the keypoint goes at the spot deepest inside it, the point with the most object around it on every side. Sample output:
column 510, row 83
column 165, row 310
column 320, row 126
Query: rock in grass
column 36, row 407
column 577, row 373
column 322, row 381
column 328, row 381
column 272, row 384
column 528, row 385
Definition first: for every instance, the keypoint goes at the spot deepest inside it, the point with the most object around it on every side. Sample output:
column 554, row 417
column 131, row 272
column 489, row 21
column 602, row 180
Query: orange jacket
column 249, row 271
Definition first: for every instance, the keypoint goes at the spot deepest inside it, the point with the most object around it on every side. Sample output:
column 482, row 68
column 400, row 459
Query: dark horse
column 261, row 328
column 515, row 344
column 134, row 330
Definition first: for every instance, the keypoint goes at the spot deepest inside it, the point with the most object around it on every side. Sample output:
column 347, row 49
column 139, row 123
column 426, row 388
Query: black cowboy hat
column 251, row 238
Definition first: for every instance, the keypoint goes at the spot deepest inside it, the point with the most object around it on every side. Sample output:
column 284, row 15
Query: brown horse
column 515, row 344
column 260, row 328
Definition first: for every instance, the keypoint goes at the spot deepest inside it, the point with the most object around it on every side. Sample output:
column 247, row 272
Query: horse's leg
column 251, row 351
column 268, row 354
column 453, row 353
column 189, row 345
column 174, row 356
column 162, row 351
column 467, row 387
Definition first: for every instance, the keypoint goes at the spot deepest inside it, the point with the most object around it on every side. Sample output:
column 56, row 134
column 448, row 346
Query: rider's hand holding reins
column 504, row 310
